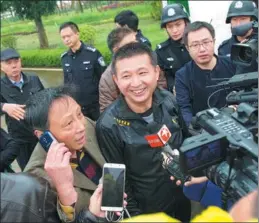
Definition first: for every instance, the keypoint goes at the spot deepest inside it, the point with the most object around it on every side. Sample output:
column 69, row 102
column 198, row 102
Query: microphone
column 160, row 138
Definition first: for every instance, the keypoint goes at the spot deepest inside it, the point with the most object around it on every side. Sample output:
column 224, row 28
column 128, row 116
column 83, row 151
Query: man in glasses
column 205, row 69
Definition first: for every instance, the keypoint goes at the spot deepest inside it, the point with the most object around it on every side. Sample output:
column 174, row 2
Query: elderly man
column 16, row 87
column 73, row 163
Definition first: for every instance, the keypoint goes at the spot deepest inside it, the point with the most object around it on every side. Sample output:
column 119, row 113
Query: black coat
column 171, row 56
column 9, row 151
column 121, row 137
column 25, row 198
column 12, row 94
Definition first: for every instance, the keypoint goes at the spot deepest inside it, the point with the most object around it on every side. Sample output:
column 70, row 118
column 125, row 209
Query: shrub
column 9, row 41
column 156, row 10
column 41, row 58
column 87, row 34
column 51, row 57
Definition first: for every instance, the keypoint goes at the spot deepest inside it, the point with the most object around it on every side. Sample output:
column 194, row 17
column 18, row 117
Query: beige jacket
column 84, row 186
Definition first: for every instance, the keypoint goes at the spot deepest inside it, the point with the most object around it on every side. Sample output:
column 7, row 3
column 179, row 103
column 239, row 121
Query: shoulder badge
column 101, row 61
column 143, row 39
column 91, row 48
column 63, row 54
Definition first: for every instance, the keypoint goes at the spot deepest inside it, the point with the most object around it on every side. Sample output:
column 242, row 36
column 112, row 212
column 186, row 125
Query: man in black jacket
column 26, row 198
column 9, row 151
column 16, row 87
column 122, row 128
column 205, row 69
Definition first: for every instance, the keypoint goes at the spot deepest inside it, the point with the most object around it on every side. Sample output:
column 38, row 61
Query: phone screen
column 113, row 187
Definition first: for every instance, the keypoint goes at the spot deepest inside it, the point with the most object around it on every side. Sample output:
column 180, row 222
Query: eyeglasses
column 205, row 44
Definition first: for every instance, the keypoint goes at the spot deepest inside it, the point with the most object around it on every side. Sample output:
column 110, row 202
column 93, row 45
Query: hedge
column 51, row 57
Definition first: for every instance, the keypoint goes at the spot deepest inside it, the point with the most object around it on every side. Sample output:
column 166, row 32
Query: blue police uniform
column 190, row 84
column 84, row 68
column 142, row 39
column 224, row 48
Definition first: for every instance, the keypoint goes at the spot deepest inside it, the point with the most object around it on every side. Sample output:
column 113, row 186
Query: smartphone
column 46, row 139
column 113, row 187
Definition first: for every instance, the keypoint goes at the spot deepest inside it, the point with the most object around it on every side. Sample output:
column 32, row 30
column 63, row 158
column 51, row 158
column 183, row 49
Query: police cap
column 242, row 8
column 173, row 12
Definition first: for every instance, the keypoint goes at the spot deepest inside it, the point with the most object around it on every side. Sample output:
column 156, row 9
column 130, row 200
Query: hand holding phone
column 113, row 187
column 46, row 140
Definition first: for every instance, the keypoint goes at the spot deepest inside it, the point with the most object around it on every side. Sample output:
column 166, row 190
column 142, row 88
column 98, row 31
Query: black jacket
column 9, row 151
column 121, row 137
column 84, row 69
column 171, row 56
column 12, row 94
column 191, row 87
column 142, row 39
column 25, row 198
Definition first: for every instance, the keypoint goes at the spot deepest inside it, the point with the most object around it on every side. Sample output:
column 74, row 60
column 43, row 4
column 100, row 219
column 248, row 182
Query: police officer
column 83, row 66
column 16, row 87
column 239, row 12
column 172, row 53
column 130, row 19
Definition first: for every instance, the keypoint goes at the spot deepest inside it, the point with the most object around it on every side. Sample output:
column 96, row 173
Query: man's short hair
column 194, row 26
column 70, row 24
column 130, row 50
column 38, row 105
column 116, row 36
column 129, row 18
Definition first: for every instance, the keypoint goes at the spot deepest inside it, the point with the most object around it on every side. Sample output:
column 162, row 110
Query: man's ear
column 115, row 79
column 37, row 133
column 157, row 71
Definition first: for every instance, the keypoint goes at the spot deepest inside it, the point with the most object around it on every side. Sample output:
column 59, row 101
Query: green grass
column 102, row 21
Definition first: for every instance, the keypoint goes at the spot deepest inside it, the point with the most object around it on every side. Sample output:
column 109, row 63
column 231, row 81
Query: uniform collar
column 126, row 113
column 70, row 52
column 176, row 43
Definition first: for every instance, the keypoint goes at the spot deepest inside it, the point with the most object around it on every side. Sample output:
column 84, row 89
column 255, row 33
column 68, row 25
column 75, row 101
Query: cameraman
column 240, row 13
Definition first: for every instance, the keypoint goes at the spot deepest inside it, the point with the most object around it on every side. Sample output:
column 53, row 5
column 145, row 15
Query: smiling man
column 122, row 128
column 73, row 163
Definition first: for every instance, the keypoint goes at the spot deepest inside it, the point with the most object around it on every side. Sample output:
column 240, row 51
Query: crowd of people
column 102, row 114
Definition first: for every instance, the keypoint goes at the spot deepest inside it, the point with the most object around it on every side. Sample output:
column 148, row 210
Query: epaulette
column 162, row 45
column 91, row 48
column 63, row 54
column 143, row 39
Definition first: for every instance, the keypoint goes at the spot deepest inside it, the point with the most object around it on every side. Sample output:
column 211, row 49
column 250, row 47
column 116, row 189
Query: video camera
column 245, row 53
column 227, row 152
column 244, row 88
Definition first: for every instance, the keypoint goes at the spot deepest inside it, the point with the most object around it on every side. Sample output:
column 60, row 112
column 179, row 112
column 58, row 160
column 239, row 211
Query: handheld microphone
column 160, row 140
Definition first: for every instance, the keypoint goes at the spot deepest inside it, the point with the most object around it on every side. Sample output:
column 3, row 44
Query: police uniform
column 225, row 47
column 239, row 8
column 84, row 68
column 142, row 39
column 172, row 55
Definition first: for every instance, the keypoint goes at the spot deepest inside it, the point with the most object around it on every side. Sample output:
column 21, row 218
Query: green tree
column 34, row 10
